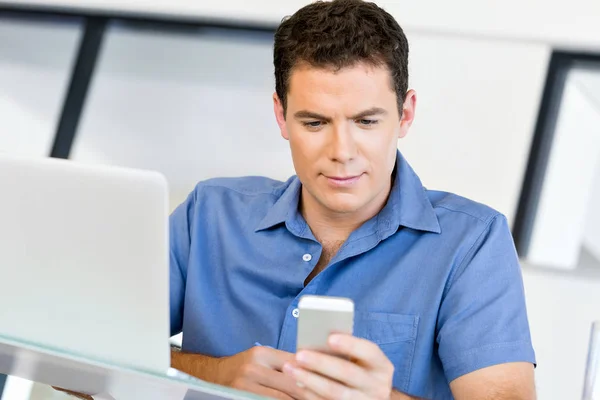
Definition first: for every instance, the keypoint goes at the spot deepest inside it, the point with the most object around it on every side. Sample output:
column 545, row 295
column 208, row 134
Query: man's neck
column 330, row 226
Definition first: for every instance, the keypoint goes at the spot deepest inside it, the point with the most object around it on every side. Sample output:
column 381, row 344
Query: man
column 435, row 278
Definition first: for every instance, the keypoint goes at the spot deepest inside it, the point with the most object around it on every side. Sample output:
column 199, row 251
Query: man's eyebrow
column 310, row 114
column 370, row 113
column 366, row 113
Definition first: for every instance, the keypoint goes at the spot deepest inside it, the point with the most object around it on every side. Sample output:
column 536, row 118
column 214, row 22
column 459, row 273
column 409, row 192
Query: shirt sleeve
column 482, row 320
column 179, row 238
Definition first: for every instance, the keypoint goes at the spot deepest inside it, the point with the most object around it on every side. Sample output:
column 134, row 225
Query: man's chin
column 343, row 210
column 344, row 207
column 340, row 203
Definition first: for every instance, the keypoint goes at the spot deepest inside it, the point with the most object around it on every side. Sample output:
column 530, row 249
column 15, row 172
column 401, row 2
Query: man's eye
column 367, row 122
column 312, row 124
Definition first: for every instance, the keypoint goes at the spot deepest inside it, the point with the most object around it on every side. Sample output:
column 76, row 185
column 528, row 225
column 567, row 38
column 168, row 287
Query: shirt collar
column 408, row 205
column 285, row 208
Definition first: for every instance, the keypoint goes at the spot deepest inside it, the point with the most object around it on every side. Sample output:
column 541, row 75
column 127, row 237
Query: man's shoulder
column 229, row 202
column 246, row 186
column 450, row 206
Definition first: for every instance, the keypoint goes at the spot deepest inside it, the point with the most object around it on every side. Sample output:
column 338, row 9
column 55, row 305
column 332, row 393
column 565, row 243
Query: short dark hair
column 337, row 34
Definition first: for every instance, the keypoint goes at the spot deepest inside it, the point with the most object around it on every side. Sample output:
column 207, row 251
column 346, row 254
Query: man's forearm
column 198, row 365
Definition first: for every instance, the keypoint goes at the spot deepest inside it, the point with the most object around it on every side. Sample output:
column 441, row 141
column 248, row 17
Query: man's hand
column 257, row 370
column 74, row 394
column 368, row 376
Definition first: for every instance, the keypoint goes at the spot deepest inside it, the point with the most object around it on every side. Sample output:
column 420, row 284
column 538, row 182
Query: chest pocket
column 396, row 335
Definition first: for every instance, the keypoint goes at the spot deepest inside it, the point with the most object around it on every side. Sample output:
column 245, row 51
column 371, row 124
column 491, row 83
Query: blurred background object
column 508, row 115
column 591, row 386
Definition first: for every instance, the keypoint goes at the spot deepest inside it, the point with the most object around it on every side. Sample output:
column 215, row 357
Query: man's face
column 343, row 129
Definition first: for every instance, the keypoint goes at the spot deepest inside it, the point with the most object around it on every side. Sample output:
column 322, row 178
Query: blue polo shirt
column 435, row 277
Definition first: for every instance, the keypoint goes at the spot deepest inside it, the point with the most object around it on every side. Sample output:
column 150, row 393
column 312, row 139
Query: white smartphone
column 319, row 317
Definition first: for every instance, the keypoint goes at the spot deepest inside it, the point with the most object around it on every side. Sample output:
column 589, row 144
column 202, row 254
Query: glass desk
column 70, row 371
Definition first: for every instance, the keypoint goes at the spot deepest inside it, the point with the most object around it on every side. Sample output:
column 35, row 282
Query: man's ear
column 408, row 113
column 280, row 116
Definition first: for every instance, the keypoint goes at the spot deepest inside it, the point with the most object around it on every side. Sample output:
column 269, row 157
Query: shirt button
column 296, row 313
column 307, row 257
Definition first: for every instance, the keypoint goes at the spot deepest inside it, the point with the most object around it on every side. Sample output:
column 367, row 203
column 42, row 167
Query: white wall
column 591, row 239
column 35, row 64
column 193, row 107
column 477, row 104
column 572, row 24
column 561, row 309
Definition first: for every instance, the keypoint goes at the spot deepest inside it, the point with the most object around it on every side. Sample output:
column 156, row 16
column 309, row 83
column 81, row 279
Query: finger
column 273, row 379
column 366, row 353
column 335, row 368
column 322, row 386
column 310, row 395
column 271, row 358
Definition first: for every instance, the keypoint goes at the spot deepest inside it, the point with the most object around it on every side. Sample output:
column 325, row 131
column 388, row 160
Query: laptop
column 84, row 261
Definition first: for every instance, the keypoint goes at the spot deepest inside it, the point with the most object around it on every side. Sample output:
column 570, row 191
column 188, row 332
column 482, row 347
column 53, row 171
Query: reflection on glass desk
column 56, row 368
